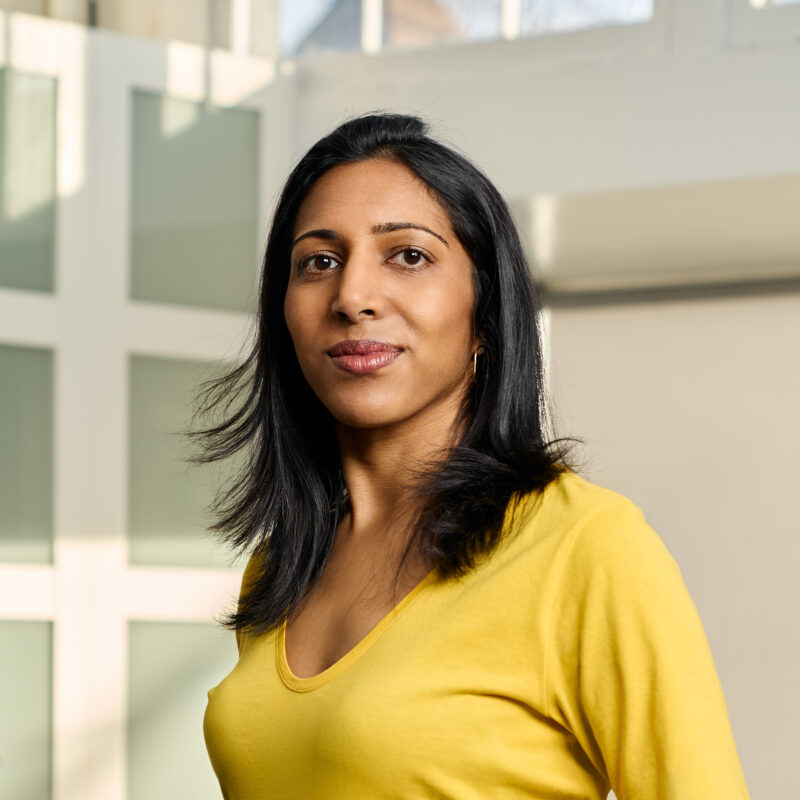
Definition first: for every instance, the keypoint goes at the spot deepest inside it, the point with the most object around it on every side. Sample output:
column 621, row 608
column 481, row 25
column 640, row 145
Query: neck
column 380, row 466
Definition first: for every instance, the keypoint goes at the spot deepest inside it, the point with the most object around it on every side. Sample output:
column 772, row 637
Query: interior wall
column 640, row 114
column 690, row 409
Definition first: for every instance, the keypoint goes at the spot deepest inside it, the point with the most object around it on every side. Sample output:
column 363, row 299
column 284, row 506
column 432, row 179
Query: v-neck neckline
column 298, row 684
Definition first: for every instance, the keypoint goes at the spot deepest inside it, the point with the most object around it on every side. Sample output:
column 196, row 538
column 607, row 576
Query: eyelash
column 304, row 263
column 426, row 258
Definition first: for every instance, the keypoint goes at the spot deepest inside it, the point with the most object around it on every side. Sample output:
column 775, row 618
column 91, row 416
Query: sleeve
column 629, row 669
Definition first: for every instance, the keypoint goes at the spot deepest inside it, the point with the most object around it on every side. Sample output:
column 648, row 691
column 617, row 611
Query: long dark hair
column 286, row 502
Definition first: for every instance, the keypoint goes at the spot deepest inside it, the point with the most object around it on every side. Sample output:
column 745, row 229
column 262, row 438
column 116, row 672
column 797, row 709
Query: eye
column 319, row 262
column 410, row 257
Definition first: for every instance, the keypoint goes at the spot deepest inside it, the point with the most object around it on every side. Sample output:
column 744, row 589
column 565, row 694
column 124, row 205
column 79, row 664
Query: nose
column 359, row 289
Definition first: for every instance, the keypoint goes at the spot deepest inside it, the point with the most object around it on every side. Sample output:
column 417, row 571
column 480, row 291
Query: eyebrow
column 383, row 227
column 388, row 227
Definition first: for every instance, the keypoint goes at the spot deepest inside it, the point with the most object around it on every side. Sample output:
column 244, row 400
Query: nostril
column 344, row 310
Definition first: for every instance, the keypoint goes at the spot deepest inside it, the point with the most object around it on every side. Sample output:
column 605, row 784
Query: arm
column 629, row 669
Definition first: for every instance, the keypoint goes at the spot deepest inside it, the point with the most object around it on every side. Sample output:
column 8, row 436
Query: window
column 431, row 22
column 771, row 3
column 27, row 180
column 318, row 25
column 556, row 16
column 193, row 203
column 311, row 26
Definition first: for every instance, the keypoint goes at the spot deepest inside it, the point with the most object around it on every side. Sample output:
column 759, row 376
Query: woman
column 436, row 605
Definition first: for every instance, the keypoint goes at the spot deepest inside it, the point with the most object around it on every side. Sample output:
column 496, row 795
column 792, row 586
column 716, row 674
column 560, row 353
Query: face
column 380, row 298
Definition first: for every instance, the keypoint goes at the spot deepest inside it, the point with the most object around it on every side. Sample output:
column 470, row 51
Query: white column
column 372, row 25
column 254, row 28
column 511, row 18
column 70, row 10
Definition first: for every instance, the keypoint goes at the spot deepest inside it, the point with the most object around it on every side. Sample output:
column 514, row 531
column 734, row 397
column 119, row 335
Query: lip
column 362, row 356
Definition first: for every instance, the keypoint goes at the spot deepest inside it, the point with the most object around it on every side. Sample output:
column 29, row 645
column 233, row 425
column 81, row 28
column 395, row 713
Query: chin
column 364, row 419
column 357, row 408
column 364, row 413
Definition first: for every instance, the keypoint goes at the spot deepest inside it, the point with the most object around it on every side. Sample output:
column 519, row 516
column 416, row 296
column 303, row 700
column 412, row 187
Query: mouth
column 362, row 356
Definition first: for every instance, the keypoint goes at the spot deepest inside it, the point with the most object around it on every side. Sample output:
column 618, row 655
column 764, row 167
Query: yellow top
column 571, row 661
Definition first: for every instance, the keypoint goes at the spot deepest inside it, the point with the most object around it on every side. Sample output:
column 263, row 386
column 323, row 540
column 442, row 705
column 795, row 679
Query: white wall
column 690, row 409
column 618, row 109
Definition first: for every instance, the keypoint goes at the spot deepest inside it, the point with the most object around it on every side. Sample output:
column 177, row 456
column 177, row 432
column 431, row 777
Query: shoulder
column 571, row 493
column 581, row 534
column 579, row 513
column 627, row 666
column 606, row 563
column 252, row 572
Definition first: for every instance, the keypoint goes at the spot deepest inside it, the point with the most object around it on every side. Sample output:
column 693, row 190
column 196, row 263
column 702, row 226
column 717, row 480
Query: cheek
column 450, row 315
column 298, row 317
column 304, row 314
column 289, row 314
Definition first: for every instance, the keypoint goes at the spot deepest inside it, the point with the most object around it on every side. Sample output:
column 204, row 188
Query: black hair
column 286, row 502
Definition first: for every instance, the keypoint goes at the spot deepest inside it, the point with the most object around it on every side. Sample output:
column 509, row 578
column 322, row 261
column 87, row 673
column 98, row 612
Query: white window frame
column 90, row 592
column 588, row 44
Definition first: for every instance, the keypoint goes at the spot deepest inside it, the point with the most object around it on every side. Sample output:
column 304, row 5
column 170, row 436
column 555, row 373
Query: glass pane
column 194, row 226
column 771, row 3
column 27, row 180
column 554, row 16
column 167, row 499
column 26, row 454
column 316, row 25
column 25, row 709
column 171, row 667
column 413, row 24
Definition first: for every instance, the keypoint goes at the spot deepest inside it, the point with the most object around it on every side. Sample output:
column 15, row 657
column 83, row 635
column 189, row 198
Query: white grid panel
column 89, row 591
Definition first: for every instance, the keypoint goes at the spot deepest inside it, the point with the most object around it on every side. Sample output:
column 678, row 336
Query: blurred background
column 650, row 152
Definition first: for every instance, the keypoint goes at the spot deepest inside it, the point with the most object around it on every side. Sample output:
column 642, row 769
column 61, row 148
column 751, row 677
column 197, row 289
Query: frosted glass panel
column 27, row 180
column 316, row 25
column 194, row 224
column 167, row 497
column 171, row 668
column 413, row 24
column 554, row 16
column 25, row 703
column 26, row 454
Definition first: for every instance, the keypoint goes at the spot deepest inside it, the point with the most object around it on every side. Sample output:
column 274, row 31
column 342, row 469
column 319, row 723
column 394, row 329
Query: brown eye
column 410, row 257
column 319, row 263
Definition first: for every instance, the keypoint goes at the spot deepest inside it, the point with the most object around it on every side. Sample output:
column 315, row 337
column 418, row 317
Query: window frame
column 641, row 38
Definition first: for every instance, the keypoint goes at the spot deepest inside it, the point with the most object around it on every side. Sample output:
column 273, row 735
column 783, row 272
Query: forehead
column 367, row 193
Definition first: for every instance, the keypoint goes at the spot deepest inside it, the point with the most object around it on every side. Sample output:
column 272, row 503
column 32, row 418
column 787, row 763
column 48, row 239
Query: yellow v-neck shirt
column 571, row 661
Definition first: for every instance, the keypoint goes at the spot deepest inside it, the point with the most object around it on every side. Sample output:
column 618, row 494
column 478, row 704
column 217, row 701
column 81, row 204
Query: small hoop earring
column 479, row 351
